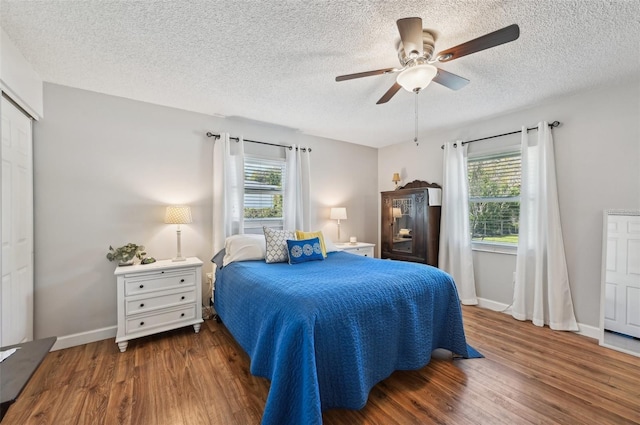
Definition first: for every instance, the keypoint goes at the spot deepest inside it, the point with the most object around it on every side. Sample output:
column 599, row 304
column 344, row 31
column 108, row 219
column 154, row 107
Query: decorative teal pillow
column 304, row 250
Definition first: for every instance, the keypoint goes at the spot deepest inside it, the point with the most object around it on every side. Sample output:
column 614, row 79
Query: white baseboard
column 493, row 305
column 585, row 330
column 589, row 331
column 87, row 337
column 81, row 338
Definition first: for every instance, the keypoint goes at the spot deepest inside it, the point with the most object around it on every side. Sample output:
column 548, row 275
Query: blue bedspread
column 325, row 332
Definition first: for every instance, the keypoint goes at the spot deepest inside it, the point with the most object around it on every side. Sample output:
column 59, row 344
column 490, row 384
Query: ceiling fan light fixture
column 417, row 77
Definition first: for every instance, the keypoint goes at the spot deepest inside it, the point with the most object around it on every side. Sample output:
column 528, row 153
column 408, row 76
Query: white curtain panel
column 541, row 292
column 228, row 190
column 297, row 210
column 455, row 255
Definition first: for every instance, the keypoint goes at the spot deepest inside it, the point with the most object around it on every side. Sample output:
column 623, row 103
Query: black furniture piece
column 17, row 369
column 410, row 228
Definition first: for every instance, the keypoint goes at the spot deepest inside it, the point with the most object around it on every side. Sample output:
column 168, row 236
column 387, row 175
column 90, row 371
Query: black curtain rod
column 237, row 139
column 552, row 125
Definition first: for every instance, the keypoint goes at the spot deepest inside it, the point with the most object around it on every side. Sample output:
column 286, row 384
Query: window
column 494, row 198
column 263, row 194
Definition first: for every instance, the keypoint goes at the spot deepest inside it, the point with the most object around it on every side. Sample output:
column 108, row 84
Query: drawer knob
column 181, row 280
column 141, row 323
column 182, row 298
column 141, row 304
column 182, row 315
column 141, row 286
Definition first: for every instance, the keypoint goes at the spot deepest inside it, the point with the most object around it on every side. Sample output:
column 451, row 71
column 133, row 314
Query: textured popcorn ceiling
column 276, row 61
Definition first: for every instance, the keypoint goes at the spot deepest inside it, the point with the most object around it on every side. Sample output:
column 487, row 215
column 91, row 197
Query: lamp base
column 178, row 256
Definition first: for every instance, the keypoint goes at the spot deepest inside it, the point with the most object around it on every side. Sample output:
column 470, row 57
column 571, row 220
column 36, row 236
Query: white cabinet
column 359, row 248
column 158, row 297
column 16, row 219
column 622, row 273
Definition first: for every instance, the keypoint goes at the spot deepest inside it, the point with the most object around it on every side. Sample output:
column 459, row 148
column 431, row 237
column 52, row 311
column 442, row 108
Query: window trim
column 494, row 247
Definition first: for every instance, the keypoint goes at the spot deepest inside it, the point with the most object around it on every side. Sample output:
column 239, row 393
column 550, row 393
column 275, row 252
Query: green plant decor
column 126, row 254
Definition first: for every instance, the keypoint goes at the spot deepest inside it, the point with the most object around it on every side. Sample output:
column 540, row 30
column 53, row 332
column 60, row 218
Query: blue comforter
column 325, row 332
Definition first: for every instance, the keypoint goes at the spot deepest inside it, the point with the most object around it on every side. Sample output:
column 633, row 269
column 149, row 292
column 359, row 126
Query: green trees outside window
column 494, row 198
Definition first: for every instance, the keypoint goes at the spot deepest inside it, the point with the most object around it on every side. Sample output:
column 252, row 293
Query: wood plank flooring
column 529, row 375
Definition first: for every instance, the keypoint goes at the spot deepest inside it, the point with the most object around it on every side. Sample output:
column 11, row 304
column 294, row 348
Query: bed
column 325, row 332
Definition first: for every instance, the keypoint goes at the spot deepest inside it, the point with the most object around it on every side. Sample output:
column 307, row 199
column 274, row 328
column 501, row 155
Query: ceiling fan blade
column 410, row 30
column 452, row 81
column 365, row 74
column 389, row 94
column 493, row 39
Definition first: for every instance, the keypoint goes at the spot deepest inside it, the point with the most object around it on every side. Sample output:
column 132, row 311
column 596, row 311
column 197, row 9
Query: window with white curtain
column 494, row 197
column 263, row 193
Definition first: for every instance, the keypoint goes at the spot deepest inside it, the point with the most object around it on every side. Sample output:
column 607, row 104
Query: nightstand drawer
column 144, row 322
column 363, row 249
column 156, row 281
column 154, row 302
column 365, row 252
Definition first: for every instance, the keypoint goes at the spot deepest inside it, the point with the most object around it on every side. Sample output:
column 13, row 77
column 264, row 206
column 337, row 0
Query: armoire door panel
column 410, row 227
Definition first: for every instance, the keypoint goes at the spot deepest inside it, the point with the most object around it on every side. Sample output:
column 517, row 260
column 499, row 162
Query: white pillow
column 244, row 248
column 329, row 245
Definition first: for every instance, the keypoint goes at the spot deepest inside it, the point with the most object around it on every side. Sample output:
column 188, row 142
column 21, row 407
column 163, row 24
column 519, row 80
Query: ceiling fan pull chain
column 415, row 139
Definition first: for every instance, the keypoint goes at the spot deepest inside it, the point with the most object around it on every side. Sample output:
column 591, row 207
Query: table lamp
column 338, row 213
column 396, row 179
column 178, row 214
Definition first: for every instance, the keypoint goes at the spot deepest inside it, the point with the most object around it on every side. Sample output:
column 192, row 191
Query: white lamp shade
column 178, row 214
column 397, row 213
column 339, row 213
column 416, row 77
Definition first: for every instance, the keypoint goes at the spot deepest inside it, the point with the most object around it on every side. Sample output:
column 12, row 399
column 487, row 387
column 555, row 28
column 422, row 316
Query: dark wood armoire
column 411, row 223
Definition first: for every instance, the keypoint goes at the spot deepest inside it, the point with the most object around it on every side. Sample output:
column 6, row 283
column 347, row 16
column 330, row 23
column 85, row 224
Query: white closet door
column 17, row 226
column 622, row 281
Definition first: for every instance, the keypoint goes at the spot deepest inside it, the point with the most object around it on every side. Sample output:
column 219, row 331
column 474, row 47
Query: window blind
column 263, row 194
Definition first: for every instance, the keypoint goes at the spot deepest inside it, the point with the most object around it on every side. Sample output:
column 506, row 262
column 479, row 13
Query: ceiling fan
column 415, row 52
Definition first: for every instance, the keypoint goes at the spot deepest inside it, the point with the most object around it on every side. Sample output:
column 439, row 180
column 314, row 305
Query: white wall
column 106, row 167
column 18, row 79
column 598, row 167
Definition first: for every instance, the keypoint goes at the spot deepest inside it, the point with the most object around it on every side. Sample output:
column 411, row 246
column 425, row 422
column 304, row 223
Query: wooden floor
column 529, row 375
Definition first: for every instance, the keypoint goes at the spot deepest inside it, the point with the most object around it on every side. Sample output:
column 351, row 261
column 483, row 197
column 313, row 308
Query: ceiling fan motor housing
column 428, row 44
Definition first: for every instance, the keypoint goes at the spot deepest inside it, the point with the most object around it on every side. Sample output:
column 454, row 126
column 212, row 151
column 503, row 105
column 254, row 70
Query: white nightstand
column 158, row 297
column 359, row 248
